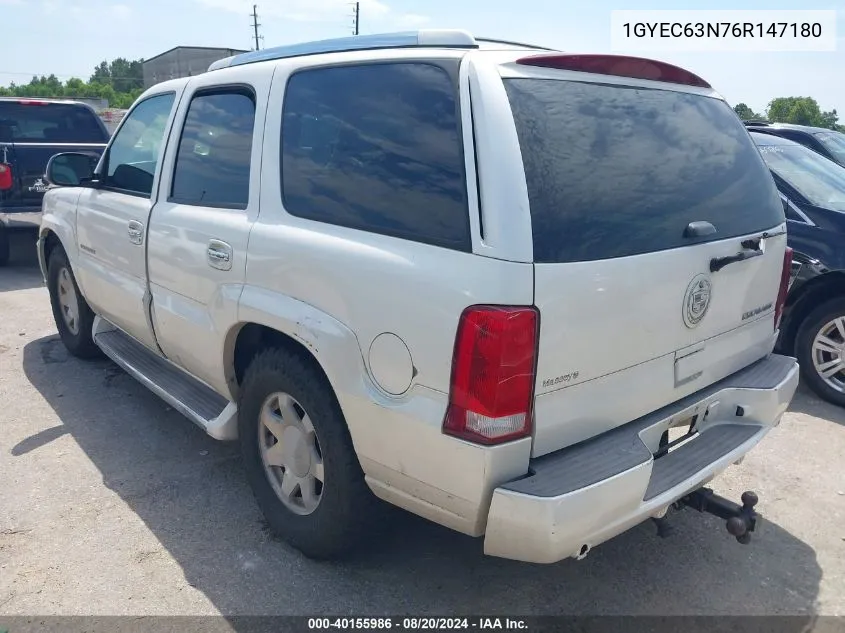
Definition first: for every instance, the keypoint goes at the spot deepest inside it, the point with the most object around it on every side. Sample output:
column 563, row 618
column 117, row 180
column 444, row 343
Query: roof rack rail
column 756, row 122
column 490, row 40
column 408, row 39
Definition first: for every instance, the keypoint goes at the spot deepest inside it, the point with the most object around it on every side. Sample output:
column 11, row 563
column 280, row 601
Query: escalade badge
column 696, row 300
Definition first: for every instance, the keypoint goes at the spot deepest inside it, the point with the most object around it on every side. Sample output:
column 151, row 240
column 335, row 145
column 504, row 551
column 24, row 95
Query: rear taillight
column 491, row 395
column 5, row 177
column 785, row 275
column 618, row 65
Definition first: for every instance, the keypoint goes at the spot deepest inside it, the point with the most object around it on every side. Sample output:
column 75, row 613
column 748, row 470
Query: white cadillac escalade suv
column 528, row 295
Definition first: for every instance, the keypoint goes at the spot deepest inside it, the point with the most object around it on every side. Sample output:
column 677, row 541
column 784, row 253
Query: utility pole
column 357, row 16
column 255, row 26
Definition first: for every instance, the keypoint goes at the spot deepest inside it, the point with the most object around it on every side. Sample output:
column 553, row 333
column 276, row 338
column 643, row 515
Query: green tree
column 121, row 74
column 745, row 113
column 801, row 111
column 829, row 119
column 102, row 74
column 74, row 87
column 120, row 82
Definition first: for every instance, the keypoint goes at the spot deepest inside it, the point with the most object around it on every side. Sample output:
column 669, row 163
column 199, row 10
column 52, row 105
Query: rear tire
column 5, row 247
column 299, row 457
column 820, row 348
column 74, row 318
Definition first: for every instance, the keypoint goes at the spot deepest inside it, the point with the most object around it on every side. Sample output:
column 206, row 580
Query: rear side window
column 39, row 122
column 834, row 142
column 377, row 148
column 616, row 171
column 215, row 150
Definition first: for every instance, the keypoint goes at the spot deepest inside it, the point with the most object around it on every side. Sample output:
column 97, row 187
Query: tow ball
column 740, row 520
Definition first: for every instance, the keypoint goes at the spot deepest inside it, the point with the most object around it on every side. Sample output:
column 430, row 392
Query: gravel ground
column 113, row 504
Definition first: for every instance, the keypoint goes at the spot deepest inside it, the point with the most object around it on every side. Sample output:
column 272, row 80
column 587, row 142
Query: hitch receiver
column 741, row 520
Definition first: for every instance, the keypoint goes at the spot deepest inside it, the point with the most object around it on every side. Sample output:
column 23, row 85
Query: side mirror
column 70, row 169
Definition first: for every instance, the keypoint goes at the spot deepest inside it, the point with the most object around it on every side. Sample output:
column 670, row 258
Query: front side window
column 213, row 161
column 134, row 153
column 377, row 148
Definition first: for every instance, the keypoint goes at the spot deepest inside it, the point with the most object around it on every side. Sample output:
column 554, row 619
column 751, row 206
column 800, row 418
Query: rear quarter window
column 49, row 123
column 377, row 148
column 617, row 171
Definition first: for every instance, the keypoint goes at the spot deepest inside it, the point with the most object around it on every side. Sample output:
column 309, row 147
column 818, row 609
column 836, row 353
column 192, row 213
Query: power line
column 255, row 26
column 57, row 75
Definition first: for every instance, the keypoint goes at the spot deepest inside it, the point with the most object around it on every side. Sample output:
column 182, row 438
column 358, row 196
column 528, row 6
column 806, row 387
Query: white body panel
column 384, row 285
column 625, row 334
column 113, row 269
column 58, row 217
column 112, row 245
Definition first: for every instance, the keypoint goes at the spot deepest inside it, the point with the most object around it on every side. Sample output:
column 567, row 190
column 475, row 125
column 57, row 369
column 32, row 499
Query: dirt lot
column 111, row 503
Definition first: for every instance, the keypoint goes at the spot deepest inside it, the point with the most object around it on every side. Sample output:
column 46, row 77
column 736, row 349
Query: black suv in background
column 828, row 143
column 813, row 328
column 31, row 132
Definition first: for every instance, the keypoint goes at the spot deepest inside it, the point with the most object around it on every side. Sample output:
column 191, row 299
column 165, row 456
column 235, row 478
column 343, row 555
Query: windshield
column 835, row 144
column 44, row 122
column 819, row 180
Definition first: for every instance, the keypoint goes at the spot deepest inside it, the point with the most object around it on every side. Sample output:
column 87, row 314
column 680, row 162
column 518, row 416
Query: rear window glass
column 49, row 123
column 616, row 171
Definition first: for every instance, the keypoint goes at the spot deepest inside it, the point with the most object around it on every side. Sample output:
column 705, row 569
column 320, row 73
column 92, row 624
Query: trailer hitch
column 741, row 520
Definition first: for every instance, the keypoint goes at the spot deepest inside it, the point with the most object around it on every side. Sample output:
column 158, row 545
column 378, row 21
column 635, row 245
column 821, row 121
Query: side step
column 216, row 415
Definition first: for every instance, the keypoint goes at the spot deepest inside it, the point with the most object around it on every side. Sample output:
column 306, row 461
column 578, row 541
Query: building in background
column 182, row 61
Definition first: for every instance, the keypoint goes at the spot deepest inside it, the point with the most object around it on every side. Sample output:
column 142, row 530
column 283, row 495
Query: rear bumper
column 21, row 218
column 581, row 496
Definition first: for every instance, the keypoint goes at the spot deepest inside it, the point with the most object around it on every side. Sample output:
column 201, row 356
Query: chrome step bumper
column 581, row 496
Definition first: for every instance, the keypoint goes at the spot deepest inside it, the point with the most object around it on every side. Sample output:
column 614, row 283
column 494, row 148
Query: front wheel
column 74, row 318
column 820, row 348
column 299, row 457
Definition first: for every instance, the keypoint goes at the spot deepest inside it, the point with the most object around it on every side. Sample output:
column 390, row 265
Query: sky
column 70, row 37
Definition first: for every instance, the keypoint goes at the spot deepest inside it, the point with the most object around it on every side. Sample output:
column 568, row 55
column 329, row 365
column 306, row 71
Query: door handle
column 219, row 255
column 136, row 232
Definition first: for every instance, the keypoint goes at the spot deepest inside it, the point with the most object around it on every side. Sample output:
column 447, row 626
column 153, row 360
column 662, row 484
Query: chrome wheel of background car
column 68, row 301
column 290, row 451
column 829, row 353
